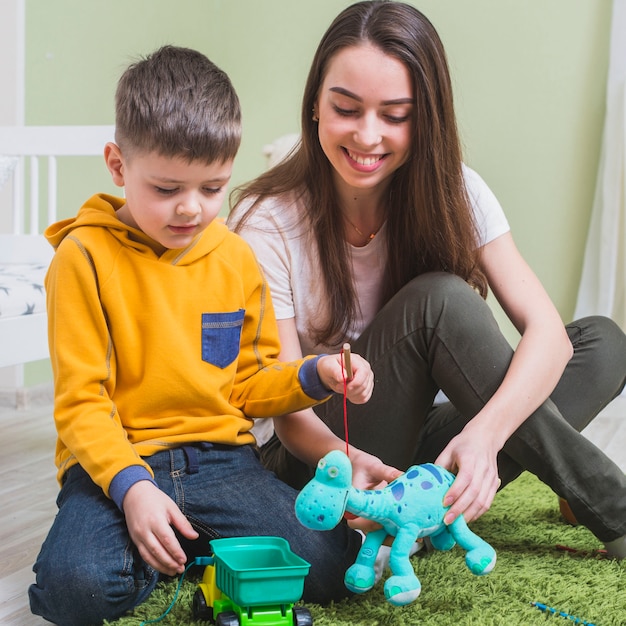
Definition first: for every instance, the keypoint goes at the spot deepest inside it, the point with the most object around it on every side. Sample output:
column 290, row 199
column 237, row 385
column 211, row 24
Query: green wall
column 529, row 84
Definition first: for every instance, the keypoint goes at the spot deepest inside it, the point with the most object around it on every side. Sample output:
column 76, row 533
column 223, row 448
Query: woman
column 373, row 231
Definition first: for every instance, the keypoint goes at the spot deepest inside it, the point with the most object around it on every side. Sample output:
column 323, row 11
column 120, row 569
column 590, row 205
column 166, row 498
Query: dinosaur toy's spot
column 434, row 471
column 426, row 484
column 321, row 518
column 399, row 508
column 397, row 489
column 412, row 473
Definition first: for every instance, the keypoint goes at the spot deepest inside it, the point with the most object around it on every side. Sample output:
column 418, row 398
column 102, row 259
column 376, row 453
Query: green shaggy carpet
column 524, row 526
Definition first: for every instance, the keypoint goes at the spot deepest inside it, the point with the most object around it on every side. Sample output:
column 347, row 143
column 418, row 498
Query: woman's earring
column 315, row 118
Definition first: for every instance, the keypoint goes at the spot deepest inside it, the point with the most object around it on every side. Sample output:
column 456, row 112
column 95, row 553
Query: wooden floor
column 28, row 490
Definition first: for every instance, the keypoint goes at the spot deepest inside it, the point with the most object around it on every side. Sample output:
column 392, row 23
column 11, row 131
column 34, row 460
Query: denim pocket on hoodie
column 221, row 333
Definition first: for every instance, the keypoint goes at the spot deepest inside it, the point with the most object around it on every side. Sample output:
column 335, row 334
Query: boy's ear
column 115, row 162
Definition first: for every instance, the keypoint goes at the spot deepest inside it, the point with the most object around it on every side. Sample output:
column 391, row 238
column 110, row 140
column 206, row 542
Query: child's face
column 169, row 199
column 365, row 107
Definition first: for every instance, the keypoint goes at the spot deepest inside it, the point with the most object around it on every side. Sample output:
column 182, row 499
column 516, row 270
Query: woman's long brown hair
column 430, row 224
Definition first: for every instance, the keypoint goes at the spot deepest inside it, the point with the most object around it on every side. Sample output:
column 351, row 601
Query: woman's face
column 365, row 107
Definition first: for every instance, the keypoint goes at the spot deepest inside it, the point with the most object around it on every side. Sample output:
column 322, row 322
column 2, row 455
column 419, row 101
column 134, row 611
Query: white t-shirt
column 288, row 254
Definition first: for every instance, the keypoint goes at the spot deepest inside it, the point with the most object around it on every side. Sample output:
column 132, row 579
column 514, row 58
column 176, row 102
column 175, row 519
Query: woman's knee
column 442, row 292
column 437, row 284
column 441, row 301
column 599, row 349
column 597, row 330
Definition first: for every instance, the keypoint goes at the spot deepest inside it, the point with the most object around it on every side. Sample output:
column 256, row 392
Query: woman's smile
column 367, row 162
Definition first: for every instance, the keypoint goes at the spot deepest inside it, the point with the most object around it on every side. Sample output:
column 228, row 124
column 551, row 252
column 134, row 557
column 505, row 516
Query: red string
column 345, row 404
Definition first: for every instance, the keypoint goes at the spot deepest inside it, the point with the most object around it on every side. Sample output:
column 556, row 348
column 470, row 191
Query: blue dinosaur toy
column 409, row 508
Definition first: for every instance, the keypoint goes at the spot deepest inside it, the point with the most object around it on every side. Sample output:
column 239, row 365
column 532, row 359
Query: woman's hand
column 332, row 373
column 368, row 472
column 472, row 456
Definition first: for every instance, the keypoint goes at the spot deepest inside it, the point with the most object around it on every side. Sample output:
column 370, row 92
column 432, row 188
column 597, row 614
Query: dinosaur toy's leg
column 480, row 557
column 443, row 540
column 404, row 586
column 360, row 576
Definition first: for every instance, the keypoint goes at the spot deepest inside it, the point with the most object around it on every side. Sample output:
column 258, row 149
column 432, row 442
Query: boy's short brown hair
column 177, row 103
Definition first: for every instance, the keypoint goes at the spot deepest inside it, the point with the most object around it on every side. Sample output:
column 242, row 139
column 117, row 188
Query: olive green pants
column 438, row 334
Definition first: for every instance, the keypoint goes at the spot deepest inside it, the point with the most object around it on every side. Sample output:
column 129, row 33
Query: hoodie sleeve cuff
column 124, row 480
column 311, row 381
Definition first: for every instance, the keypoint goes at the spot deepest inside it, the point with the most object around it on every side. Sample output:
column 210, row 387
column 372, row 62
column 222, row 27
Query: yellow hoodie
column 151, row 352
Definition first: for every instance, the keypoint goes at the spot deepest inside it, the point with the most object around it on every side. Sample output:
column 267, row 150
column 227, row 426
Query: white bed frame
column 24, row 338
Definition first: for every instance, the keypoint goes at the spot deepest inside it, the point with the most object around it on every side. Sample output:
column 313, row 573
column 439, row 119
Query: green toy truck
column 252, row 581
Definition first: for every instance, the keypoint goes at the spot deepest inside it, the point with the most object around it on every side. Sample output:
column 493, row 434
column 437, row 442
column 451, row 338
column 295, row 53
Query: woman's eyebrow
column 349, row 94
column 345, row 92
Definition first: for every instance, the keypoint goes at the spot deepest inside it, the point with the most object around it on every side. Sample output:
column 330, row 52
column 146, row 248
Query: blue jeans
column 437, row 333
column 88, row 569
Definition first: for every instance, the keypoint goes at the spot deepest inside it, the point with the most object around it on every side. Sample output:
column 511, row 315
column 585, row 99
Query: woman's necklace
column 367, row 238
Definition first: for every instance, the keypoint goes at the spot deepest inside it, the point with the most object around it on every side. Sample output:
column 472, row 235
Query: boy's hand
column 150, row 516
column 360, row 386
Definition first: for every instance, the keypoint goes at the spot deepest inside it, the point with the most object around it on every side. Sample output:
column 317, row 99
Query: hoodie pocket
column 221, row 333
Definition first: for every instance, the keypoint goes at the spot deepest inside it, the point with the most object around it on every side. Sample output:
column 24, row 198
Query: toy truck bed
column 252, row 581
column 255, row 571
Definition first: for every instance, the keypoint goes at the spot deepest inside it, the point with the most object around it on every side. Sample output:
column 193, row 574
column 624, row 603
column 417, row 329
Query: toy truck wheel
column 199, row 607
column 302, row 616
column 227, row 618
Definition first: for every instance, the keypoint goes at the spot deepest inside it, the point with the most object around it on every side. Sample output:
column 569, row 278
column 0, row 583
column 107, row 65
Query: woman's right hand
column 368, row 472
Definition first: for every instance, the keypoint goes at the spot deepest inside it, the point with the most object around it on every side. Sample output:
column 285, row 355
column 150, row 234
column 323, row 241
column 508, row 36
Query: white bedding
column 21, row 289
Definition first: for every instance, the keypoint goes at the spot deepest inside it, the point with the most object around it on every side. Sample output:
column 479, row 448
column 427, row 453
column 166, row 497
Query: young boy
column 164, row 347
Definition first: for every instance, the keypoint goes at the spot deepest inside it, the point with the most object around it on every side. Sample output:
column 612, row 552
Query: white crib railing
column 23, row 338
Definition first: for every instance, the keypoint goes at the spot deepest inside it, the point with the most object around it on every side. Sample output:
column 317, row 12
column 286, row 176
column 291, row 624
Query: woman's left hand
column 473, row 459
